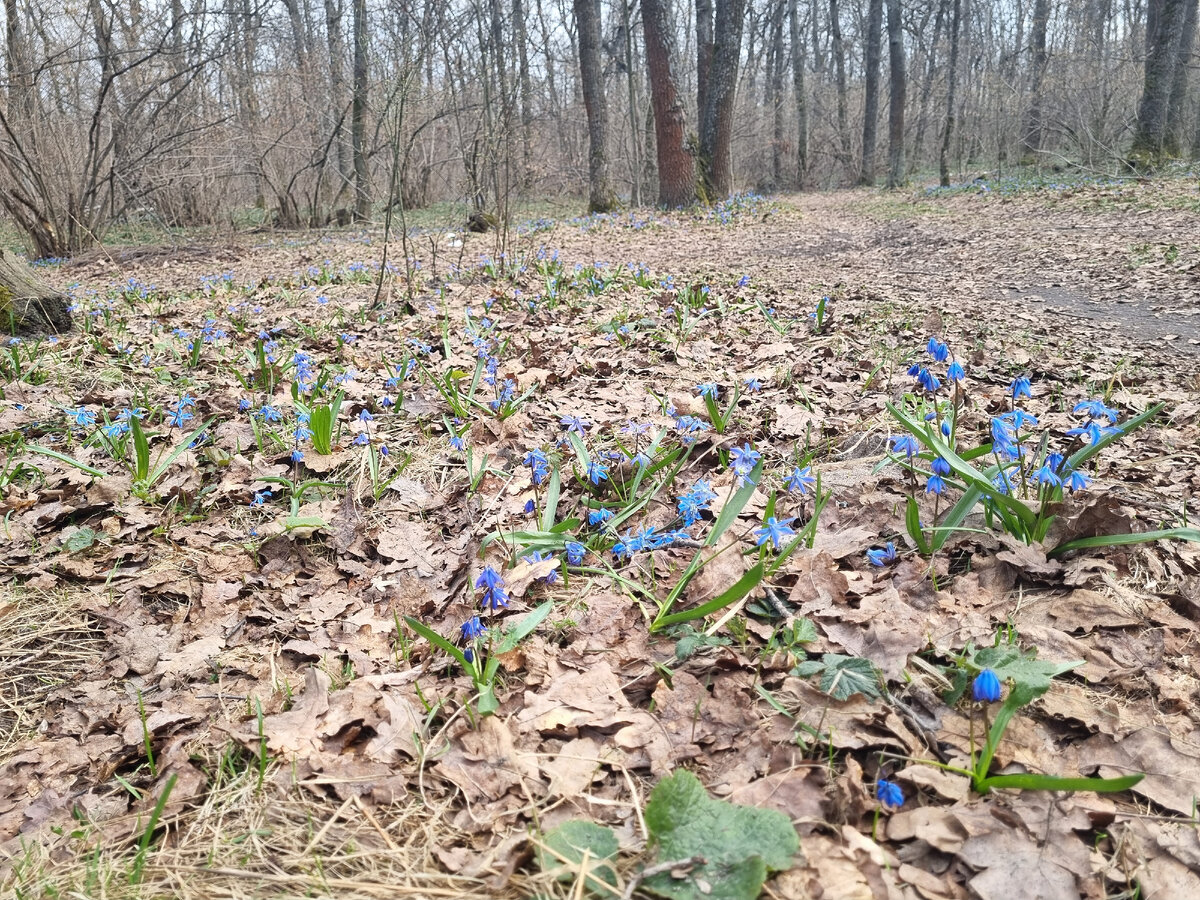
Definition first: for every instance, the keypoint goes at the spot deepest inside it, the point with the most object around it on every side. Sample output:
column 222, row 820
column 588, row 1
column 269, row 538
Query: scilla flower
column 986, row 687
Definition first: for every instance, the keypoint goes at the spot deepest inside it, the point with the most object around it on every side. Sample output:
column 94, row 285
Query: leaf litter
column 187, row 630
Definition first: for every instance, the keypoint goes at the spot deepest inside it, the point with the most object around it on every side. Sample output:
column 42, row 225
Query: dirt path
column 1105, row 263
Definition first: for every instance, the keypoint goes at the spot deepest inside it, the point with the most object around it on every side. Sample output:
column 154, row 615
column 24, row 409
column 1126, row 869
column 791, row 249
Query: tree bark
column 839, row 62
column 1151, row 141
column 358, row 116
column 951, row 81
column 591, row 72
column 337, row 88
column 874, row 55
column 716, row 126
column 26, row 304
column 1177, row 102
column 704, row 52
column 775, row 85
column 798, row 88
column 1031, row 134
column 897, row 95
column 676, row 167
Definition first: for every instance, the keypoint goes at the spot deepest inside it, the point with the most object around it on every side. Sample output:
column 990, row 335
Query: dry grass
column 45, row 640
column 241, row 840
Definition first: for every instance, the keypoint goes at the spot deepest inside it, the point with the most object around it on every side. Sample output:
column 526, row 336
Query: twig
column 658, row 869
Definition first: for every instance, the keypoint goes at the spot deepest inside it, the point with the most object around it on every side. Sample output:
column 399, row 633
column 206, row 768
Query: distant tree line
column 192, row 112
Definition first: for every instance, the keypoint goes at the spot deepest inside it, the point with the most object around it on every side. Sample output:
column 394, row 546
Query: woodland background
column 303, row 112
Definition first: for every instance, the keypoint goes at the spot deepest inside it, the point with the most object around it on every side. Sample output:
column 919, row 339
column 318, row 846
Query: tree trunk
column 358, row 116
column 337, row 88
column 25, row 303
column 1031, row 135
column 716, row 126
column 799, row 90
column 635, row 192
column 1164, row 24
column 1177, row 103
column 704, row 52
column 525, row 88
column 775, row 84
column 897, row 95
column 951, row 80
column 874, row 55
column 839, row 62
column 676, row 168
column 591, row 72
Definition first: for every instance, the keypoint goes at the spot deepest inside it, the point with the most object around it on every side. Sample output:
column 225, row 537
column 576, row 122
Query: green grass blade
column 1121, row 540
column 736, row 592
column 62, row 457
column 1056, row 783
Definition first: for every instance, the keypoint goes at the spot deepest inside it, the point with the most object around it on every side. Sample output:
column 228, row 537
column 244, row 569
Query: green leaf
column 1120, row 540
column 80, row 540
column 739, row 844
column 912, row 521
column 1057, row 783
column 732, row 594
column 63, row 458
column 842, row 676
column 850, row 675
column 734, row 505
column 438, row 641
column 563, row 850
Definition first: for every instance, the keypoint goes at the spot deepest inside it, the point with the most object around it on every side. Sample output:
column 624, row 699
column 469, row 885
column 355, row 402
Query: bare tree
column 798, row 88
column 358, row 116
column 898, row 92
column 871, row 110
column 676, row 167
column 951, row 82
column 716, row 123
column 1031, row 136
column 591, row 70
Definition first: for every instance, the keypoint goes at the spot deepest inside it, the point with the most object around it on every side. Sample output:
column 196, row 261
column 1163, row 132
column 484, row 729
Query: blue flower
column 1003, row 440
column 889, row 794
column 1096, row 410
column 269, row 413
column 81, row 416
column 178, row 417
column 538, row 464
column 955, row 372
column 597, row 472
column 260, row 497
column 986, row 687
column 361, row 440
column 774, row 531
column 940, row 466
column 1076, row 481
column 743, row 460
column 800, row 480
column 935, row 485
column 906, row 444
column 575, row 553
column 457, row 443
column 709, row 389
column 599, row 516
column 1020, row 387
column 928, row 380
column 297, row 455
column 529, row 507
column 302, row 433
column 882, row 557
column 1046, row 475
column 752, row 384
column 938, row 349
column 473, row 628
column 365, row 416
column 576, row 424
column 492, row 585
column 538, row 556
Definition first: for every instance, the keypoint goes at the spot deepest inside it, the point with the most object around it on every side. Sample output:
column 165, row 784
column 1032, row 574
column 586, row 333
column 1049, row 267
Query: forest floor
column 217, row 673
